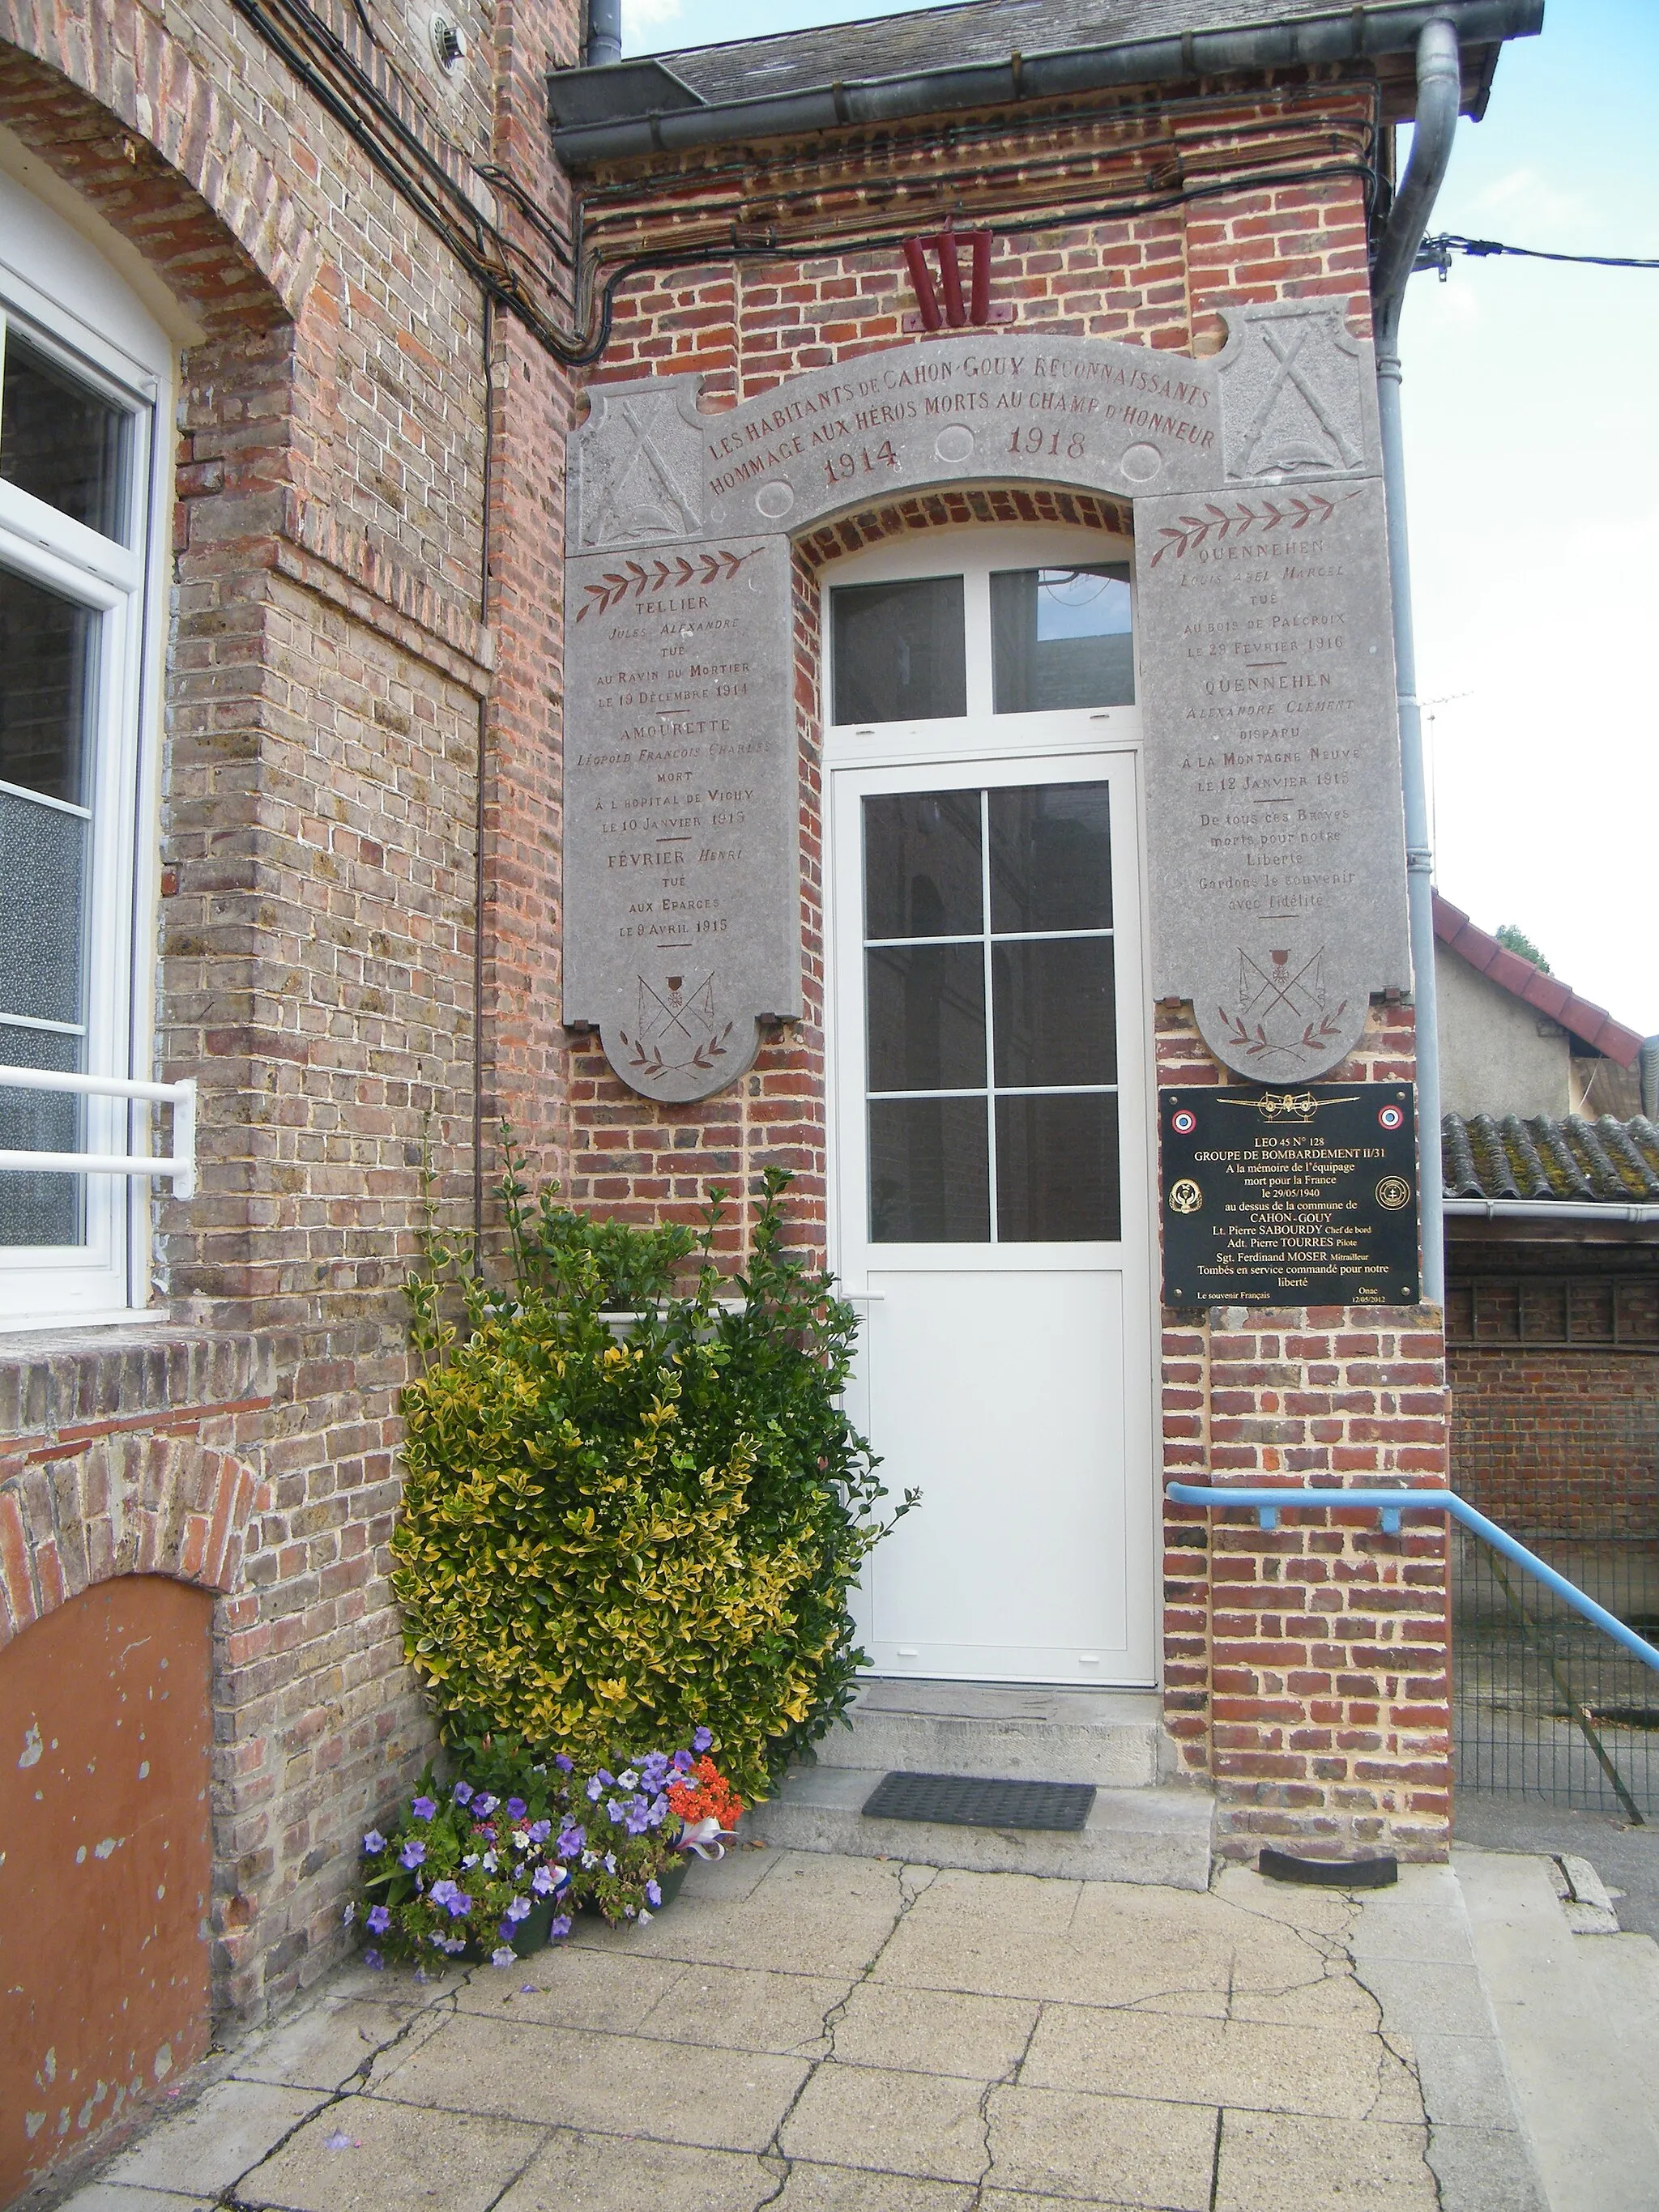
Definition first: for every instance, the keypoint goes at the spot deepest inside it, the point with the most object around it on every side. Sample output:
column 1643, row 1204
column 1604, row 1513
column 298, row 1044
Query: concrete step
column 1146, row 1835
column 1113, row 1738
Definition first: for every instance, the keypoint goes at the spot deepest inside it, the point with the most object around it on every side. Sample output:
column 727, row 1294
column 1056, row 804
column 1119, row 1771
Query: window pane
column 1057, row 1175
column 1061, row 637
column 1051, row 858
column 39, row 1209
column 927, row 1017
column 901, row 652
column 922, row 864
column 45, row 689
column 62, row 443
column 1055, row 1012
column 929, row 1171
column 41, row 860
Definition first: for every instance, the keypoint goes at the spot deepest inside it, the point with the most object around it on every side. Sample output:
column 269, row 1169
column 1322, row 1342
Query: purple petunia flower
column 701, row 1738
column 653, row 1770
column 540, row 1830
column 610, row 1862
column 424, row 1808
column 373, row 1959
column 516, row 1808
column 485, row 1806
column 559, row 1925
column 504, row 1955
column 462, row 1793
column 571, row 1841
column 411, row 1854
column 653, row 1894
column 562, row 1760
column 379, row 1919
column 520, row 1908
column 684, row 1762
column 544, row 1881
column 595, row 1790
column 374, row 1842
column 638, row 1810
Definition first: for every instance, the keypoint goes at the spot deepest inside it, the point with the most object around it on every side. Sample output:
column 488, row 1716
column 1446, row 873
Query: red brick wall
column 331, row 651
column 1305, row 1671
column 1558, row 1438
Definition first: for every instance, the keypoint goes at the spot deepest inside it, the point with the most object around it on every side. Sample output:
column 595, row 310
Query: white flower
column 628, row 1780
column 489, row 1862
column 521, row 1839
column 472, row 1859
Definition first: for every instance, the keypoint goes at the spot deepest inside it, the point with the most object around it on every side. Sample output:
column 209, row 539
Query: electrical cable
column 1437, row 253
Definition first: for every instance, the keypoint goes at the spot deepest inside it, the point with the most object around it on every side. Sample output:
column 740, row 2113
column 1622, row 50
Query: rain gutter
column 1544, row 1209
column 1342, row 34
column 1439, row 95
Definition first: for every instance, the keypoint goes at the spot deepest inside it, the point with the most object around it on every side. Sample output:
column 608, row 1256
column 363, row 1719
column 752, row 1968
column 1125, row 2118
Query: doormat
column 970, row 1801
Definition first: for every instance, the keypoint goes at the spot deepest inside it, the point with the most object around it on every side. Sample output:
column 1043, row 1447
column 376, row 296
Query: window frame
column 60, row 296
column 973, row 552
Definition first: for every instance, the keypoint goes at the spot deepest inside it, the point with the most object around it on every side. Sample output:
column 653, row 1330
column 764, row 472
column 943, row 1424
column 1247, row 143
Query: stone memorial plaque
column 1264, row 647
column 682, row 872
column 1114, row 418
column 1274, row 814
column 1295, row 1197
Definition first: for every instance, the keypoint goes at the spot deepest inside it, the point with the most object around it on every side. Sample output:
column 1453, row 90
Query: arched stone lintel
column 131, row 1503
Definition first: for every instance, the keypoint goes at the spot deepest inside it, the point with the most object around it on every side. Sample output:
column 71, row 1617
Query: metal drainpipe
column 1439, row 95
column 604, row 45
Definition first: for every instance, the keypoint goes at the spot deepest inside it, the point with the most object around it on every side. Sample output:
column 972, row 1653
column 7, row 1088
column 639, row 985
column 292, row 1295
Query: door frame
column 964, row 746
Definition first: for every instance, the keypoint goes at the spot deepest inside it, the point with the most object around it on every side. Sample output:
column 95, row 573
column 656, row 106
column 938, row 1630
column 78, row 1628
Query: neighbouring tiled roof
column 1592, row 1025
column 931, row 38
column 1538, row 1156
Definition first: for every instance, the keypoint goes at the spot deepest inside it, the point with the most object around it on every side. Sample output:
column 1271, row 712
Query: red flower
column 710, row 1798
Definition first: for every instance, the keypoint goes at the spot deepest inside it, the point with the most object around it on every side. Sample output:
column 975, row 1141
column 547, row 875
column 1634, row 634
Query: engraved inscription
column 1279, row 861
column 682, row 890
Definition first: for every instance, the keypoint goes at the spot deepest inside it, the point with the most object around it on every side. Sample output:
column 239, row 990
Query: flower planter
column 530, row 1934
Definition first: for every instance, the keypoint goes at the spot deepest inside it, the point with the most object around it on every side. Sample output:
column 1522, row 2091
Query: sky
column 1531, row 427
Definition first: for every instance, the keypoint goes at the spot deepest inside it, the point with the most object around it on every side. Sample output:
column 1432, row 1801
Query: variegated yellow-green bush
column 604, row 1543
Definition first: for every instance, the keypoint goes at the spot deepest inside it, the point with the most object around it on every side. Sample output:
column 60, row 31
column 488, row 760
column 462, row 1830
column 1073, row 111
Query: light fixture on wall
column 447, row 44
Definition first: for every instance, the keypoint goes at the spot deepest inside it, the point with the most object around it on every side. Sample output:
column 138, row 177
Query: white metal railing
column 179, row 1166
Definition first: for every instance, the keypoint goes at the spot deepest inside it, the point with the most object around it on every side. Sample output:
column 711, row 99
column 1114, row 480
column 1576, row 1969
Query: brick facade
column 358, row 938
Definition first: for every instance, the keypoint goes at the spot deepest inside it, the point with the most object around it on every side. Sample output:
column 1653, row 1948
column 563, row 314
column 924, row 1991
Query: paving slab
column 204, row 2150
column 1114, row 2150
column 1282, row 2162
column 853, row 2035
column 926, row 2124
column 115, row 2197
column 618, row 2084
column 1334, row 2071
column 933, row 2031
column 360, row 2154
column 574, row 2171
column 1580, row 2042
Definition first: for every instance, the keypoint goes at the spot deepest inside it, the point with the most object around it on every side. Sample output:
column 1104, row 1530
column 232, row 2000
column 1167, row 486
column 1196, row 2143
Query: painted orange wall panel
column 104, row 1862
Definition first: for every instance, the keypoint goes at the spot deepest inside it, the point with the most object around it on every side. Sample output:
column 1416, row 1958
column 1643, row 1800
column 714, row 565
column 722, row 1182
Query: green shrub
column 607, row 1541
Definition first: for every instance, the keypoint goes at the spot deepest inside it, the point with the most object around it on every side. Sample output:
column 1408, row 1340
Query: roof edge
column 1358, row 33
column 1592, row 1025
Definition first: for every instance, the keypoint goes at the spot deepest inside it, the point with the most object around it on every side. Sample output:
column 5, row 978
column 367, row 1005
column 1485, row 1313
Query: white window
column 83, row 397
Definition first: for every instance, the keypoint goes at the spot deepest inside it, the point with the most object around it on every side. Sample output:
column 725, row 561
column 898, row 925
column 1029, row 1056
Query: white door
column 990, row 1180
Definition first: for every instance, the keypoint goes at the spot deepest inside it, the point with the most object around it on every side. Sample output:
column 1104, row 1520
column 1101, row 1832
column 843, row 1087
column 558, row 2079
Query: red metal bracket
column 959, row 310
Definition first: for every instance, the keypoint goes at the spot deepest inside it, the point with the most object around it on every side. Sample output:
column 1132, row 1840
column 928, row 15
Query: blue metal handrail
column 1390, row 1505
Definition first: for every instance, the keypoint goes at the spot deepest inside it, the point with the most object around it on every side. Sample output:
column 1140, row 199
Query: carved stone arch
column 114, row 104
column 137, row 1503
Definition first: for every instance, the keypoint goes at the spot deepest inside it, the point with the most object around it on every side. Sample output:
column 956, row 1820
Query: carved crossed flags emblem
column 1263, row 991
column 1295, row 447
column 643, row 493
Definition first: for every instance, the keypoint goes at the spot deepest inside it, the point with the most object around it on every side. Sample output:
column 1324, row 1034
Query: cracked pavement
column 832, row 2034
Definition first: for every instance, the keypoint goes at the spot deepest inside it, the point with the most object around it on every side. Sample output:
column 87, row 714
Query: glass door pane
column 991, row 1052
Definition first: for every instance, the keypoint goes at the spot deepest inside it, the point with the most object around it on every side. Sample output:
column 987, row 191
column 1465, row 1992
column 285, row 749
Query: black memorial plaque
column 1290, row 1198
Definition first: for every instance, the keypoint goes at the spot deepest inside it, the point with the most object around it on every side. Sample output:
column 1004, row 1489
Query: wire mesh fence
column 1544, row 1704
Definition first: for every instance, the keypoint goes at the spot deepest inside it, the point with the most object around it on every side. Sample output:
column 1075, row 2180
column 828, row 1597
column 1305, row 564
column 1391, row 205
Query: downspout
column 1439, row 95
column 604, row 42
